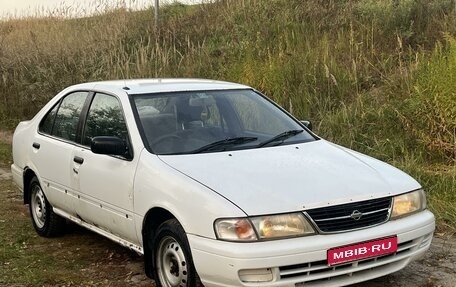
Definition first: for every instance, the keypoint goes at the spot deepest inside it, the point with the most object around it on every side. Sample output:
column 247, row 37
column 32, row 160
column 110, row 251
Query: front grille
column 351, row 216
column 318, row 273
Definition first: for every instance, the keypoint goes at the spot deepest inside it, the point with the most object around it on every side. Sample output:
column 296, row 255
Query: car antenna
column 125, row 86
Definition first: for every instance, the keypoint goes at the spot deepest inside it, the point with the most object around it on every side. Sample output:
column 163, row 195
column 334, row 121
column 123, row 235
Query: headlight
column 408, row 203
column 284, row 225
column 263, row 227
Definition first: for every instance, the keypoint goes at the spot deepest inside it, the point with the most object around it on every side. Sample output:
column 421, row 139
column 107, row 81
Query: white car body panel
column 312, row 175
column 159, row 185
column 56, row 181
column 131, row 245
column 113, row 196
column 105, row 186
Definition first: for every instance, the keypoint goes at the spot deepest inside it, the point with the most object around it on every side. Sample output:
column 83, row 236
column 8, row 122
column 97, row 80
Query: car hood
column 292, row 177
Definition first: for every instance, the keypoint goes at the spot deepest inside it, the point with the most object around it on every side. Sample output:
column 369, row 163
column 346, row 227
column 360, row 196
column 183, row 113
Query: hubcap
column 38, row 207
column 171, row 263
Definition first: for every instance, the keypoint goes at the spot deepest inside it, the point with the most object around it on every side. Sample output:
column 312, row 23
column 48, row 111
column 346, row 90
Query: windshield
column 212, row 121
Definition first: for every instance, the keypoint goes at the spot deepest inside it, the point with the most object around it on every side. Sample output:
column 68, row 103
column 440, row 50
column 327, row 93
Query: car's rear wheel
column 173, row 262
column 45, row 221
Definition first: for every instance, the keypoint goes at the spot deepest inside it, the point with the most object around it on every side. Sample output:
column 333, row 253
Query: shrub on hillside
column 429, row 112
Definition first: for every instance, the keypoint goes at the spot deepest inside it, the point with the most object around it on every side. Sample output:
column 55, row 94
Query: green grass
column 375, row 76
column 80, row 258
column 5, row 154
column 440, row 182
column 428, row 112
column 20, row 247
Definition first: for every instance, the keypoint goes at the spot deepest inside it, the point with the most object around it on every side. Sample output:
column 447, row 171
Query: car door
column 105, row 182
column 53, row 147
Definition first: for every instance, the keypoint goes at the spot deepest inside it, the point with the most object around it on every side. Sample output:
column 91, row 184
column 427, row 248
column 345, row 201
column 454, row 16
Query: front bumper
column 302, row 261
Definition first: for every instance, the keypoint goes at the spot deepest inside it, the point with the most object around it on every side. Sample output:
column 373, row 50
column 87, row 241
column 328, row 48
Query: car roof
column 148, row 86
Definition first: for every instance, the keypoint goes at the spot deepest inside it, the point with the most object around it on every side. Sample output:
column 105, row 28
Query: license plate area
column 362, row 250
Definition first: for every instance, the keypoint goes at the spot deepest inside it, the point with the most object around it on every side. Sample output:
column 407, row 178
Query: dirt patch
column 87, row 259
column 5, row 175
column 79, row 258
column 437, row 268
column 6, row 137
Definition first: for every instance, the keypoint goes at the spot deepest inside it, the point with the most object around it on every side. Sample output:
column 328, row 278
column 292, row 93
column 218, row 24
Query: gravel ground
column 436, row 268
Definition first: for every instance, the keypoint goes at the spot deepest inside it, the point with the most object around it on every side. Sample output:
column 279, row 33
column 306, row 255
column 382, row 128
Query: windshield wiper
column 281, row 137
column 224, row 144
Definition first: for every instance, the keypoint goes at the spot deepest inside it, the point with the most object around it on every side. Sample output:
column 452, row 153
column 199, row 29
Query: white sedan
column 216, row 185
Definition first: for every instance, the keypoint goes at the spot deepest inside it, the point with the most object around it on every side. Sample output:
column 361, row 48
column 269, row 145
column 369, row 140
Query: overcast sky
column 72, row 8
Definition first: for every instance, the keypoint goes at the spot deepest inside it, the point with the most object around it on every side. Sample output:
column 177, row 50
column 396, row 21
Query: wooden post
column 156, row 13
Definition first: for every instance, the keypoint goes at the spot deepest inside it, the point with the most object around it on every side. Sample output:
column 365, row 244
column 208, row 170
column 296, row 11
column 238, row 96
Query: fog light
column 256, row 275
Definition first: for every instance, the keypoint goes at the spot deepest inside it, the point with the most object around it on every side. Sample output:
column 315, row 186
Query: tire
column 45, row 221
column 172, row 257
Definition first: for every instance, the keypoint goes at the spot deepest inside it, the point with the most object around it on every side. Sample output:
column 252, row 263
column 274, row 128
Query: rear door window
column 47, row 123
column 63, row 119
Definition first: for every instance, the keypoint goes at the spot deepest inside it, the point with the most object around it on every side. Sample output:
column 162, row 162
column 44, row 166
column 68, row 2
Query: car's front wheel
column 173, row 262
column 45, row 221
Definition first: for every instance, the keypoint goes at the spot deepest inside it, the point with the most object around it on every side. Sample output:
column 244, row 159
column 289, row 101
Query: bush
column 429, row 110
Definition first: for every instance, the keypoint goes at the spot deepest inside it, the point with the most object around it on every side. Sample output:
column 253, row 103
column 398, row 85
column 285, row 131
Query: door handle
column 78, row 159
column 36, row 145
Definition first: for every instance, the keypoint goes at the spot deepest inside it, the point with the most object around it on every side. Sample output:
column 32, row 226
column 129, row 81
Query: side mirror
column 109, row 145
column 308, row 124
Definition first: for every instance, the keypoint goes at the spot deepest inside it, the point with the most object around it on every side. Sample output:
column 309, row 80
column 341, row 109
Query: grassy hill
column 376, row 76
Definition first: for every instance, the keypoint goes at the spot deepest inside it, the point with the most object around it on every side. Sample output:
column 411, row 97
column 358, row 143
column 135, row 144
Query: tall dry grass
column 376, row 76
